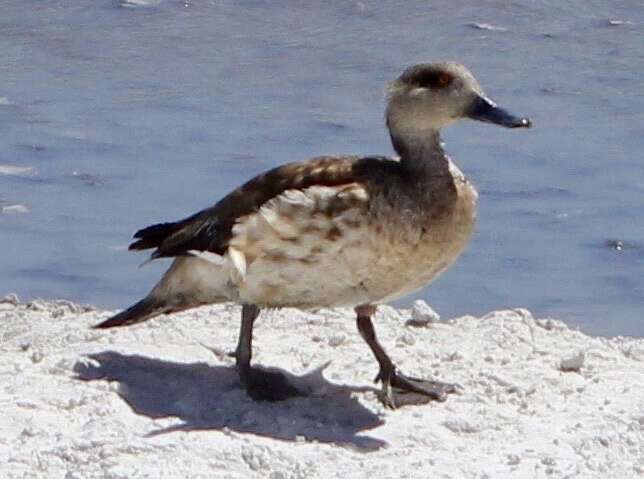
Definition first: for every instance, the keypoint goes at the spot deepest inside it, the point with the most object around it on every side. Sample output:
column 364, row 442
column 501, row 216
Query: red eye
column 433, row 78
column 444, row 79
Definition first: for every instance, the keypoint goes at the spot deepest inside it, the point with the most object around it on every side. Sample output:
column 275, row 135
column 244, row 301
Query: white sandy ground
column 161, row 400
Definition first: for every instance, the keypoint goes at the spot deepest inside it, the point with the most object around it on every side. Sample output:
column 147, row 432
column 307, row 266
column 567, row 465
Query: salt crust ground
column 161, row 400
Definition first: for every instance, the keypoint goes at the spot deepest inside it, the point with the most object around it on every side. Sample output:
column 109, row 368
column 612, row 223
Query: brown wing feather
column 211, row 229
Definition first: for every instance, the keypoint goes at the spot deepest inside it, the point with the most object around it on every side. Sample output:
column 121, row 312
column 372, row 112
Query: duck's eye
column 444, row 79
column 435, row 80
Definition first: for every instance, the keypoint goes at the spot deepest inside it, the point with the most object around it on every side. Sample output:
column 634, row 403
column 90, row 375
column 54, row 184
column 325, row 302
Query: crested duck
column 333, row 231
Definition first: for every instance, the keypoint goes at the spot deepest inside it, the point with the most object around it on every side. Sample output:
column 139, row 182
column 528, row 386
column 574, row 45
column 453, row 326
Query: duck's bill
column 486, row 110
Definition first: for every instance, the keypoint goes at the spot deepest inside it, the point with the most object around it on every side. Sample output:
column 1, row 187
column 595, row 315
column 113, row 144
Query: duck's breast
column 417, row 243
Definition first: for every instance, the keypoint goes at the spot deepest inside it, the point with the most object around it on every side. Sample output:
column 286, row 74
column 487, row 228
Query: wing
column 211, row 229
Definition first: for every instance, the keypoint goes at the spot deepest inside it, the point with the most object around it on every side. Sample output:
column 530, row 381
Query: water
column 128, row 114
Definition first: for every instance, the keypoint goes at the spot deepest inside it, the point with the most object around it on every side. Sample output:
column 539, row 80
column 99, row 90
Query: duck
column 333, row 231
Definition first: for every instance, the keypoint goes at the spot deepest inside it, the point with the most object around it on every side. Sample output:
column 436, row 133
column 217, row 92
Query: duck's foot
column 262, row 385
column 400, row 390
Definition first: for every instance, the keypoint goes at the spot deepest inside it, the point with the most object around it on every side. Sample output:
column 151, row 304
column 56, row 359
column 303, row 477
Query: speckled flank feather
column 299, row 239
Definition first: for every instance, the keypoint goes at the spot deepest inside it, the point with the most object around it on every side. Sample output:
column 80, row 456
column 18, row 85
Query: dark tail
column 153, row 236
column 145, row 309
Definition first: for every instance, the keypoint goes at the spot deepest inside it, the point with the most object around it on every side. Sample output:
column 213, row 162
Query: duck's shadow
column 206, row 397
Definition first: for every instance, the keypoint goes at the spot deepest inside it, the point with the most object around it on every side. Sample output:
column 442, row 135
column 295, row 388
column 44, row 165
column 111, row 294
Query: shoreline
column 162, row 399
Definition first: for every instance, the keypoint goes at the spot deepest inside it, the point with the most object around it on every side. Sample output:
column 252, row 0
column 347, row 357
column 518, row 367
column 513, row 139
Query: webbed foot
column 400, row 390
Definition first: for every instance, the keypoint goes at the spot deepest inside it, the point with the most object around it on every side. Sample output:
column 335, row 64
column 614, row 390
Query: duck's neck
column 421, row 154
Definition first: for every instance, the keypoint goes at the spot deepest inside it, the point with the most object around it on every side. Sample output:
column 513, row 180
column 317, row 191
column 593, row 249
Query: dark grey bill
column 486, row 110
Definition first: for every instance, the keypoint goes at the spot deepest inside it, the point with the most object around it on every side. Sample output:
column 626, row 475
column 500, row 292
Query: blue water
column 134, row 113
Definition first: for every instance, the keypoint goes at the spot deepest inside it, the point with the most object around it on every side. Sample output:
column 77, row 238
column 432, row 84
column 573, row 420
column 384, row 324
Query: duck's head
column 429, row 96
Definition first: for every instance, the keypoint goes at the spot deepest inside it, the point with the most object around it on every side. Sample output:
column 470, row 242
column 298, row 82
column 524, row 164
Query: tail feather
column 153, row 236
column 145, row 309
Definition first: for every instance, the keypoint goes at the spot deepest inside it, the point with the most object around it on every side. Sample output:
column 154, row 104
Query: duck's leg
column 394, row 383
column 260, row 384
